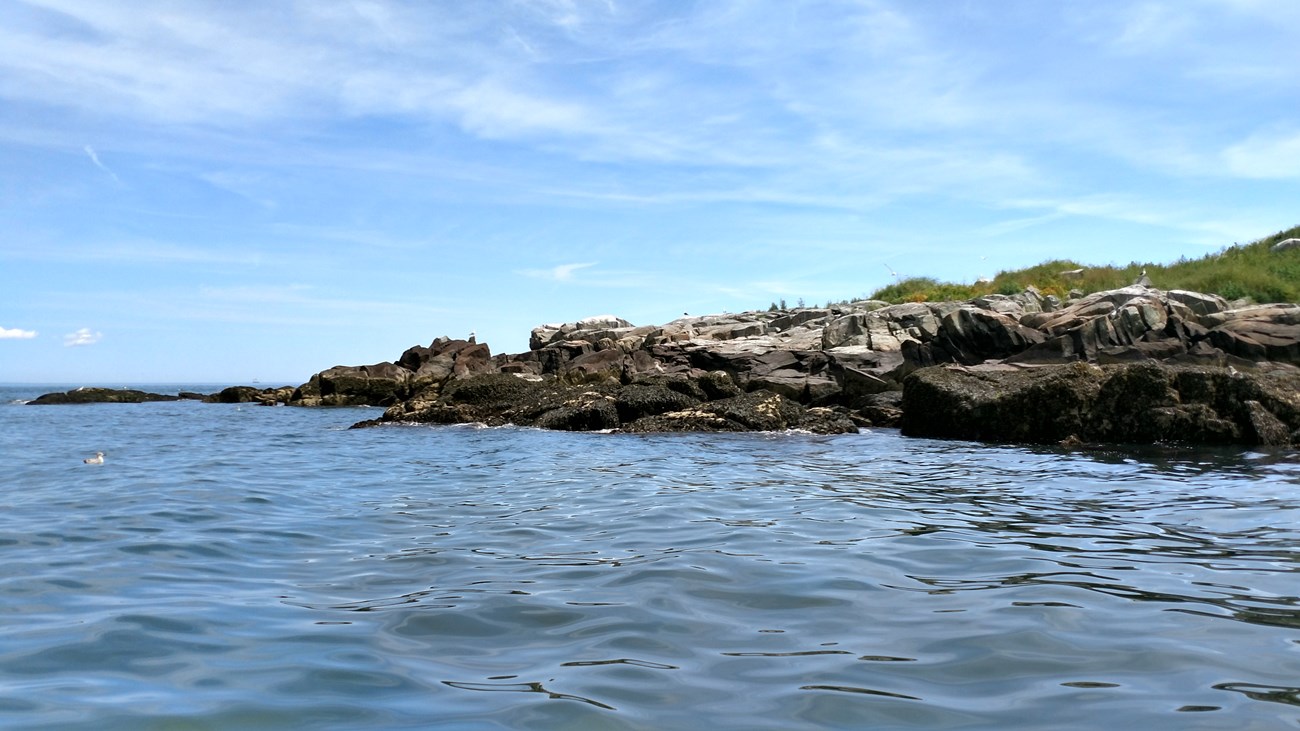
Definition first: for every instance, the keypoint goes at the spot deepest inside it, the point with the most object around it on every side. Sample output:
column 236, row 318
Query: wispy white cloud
column 94, row 158
column 83, row 337
column 299, row 303
column 560, row 273
column 1018, row 224
column 1271, row 154
column 288, row 293
column 872, row 96
column 141, row 252
column 291, row 305
column 1148, row 26
column 1196, row 223
column 245, row 185
column 16, row 334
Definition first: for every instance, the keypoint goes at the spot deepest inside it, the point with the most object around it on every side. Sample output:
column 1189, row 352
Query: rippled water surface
column 243, row 567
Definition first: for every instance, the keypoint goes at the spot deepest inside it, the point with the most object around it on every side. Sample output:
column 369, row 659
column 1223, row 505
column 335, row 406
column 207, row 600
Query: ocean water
column 246, row 567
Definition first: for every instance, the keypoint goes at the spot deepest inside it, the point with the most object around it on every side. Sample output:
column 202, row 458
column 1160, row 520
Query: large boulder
column 590, row 411
column 970, row 335
column 381, row 384
column 599, row 365
column 1198, row 303
column 1261, row 333
column 638, row 400
column 1140, row 403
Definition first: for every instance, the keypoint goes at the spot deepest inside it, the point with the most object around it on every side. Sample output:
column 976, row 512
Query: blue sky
column 221, row 191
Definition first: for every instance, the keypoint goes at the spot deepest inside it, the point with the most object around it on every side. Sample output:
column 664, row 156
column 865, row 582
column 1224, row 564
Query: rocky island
column 1135, row 364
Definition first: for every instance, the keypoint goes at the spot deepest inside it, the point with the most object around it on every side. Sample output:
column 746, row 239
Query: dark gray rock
column 882, row 409
column 970, row 336
column 252, row 395
column 594, row 412
column 1271, row 334
column 638, row 400
column 756, row 411
column 100, row 396
column 380, row 384
column 1140, row 403
column 718, row 385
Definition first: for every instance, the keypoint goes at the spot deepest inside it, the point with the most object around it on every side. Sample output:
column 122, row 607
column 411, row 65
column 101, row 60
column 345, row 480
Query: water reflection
column 525, row 688
column 1271, row 694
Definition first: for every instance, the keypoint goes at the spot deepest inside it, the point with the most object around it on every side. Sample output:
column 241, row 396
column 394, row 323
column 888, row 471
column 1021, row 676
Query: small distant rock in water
column 85, row 395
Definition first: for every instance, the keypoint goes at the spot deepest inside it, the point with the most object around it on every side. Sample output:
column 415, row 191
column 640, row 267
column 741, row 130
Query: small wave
column 526, row 688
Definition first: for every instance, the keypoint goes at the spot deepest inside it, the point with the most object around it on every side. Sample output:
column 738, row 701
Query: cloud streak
column 94, row 158
column 561, row 273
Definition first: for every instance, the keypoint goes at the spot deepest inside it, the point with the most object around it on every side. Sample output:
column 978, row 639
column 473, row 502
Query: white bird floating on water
column 97, row 459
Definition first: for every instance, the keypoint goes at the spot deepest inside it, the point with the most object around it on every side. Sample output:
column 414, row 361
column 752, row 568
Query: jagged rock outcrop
column 419, row 373
column 1265, row 332
column 596, row 328
column 607, row 373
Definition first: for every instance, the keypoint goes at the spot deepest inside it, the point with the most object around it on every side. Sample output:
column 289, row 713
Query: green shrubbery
column 1249, row 271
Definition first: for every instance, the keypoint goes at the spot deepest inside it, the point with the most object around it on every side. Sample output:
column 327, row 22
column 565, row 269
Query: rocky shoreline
column 1132, row 365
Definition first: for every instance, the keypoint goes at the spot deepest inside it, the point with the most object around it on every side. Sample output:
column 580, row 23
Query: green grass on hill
column 1246, row 271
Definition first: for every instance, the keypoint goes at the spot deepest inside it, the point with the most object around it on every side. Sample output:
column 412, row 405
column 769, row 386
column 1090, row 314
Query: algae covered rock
column 1139, row 403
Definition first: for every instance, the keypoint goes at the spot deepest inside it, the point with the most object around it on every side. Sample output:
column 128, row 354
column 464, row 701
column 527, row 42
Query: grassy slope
column 1245, row 271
